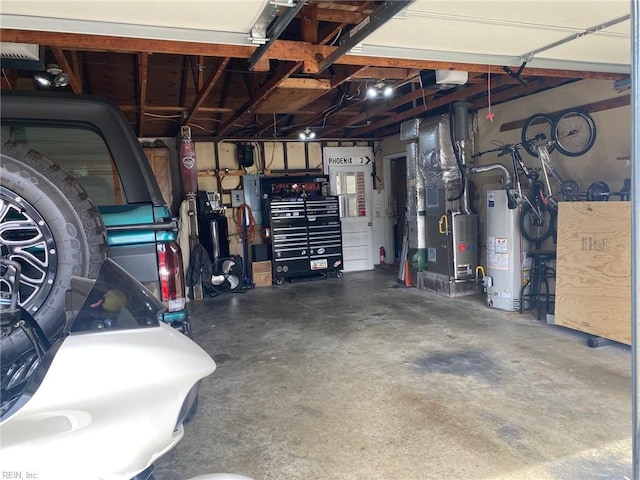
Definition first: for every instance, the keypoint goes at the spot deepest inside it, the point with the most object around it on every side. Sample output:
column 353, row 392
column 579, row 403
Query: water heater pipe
column 495, row 166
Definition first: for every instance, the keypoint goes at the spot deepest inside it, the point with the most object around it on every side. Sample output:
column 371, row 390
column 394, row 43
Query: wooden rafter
column 289, row 90
column 609, row 103
column 384, row 107
column 206, row 89
column 256, row 100
column 281, row 50
column 340, row 16
column 200, row 68
column 520, row 90
column 309, row 23
column 223, row 100
column 186, row 61
column 335, row 82
column 74, row 79
column 9, row 79
column 143, row 77
column 172, row 108
column 432, row 104
column 76, row 65
column 429, row 103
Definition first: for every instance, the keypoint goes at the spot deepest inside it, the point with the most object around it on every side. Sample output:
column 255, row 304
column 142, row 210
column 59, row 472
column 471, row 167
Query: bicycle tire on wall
column 537, row 124
column 574, row 133
column 534, row 229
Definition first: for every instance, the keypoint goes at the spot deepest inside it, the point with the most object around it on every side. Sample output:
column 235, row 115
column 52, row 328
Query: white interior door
column 350, row 179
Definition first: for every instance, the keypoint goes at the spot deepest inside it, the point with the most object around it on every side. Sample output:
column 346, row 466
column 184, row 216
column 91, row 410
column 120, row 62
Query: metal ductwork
column 443, row 243
column 461, row 139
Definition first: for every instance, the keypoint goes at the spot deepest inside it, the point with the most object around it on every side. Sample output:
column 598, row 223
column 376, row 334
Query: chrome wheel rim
column 26, row 238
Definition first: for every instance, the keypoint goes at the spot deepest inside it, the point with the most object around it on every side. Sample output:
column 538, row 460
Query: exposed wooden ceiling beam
column 256, row 100
column 173, row 108
column 184, row 77
column 281, row 50
column 9, row 78
column 309, row 23
column 533, row 86
column 76, row 65
column 381, row 108
column 384, row 73
column 74, row 79
column 222, row 100
column 274, row 31
column 615, row 102
column 340, row 16
column 206, row 89
column 143, row 77
column 335, row 82
column 200, row 82
column 429, row 106
column 375, row 20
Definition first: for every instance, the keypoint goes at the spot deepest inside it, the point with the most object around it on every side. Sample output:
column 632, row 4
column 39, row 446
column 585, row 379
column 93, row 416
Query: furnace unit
column 443, row 245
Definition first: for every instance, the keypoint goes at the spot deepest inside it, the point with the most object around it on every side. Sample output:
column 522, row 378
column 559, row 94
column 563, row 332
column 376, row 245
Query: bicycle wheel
column 535, row 226
column 574, row 133
column 537, row 127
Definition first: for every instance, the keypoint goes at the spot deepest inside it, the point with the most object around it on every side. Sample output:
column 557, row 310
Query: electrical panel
column 252, row 195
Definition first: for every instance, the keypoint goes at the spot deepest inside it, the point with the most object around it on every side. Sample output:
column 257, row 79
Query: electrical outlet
column 237, row 198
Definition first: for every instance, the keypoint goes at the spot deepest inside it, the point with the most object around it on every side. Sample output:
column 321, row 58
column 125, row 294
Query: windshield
column 115, row 300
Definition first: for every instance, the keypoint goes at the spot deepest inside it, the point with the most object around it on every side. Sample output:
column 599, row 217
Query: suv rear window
column 79, row 150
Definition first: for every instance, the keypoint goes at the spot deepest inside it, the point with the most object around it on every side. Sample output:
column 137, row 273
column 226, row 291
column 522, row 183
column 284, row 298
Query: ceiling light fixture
column 379, row 90
column 307, row 134
column 42, row 79
column 52, row 77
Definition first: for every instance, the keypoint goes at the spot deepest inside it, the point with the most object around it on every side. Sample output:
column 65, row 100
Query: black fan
column 227, row 274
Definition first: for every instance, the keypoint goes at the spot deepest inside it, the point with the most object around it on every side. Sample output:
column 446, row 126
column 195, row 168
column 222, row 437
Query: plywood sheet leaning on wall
column 593, row 269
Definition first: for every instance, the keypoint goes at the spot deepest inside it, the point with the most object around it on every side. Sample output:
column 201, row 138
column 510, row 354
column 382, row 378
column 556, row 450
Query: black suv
column 75, row 187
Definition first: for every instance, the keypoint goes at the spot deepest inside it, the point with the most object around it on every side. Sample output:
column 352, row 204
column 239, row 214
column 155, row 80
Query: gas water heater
column 507, row 269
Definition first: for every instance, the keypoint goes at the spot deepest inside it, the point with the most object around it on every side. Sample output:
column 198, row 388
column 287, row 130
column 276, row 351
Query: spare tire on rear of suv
column 51, row 227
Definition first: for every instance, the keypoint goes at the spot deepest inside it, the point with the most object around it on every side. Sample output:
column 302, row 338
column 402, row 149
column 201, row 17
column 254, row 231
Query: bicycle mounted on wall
column 573, row 134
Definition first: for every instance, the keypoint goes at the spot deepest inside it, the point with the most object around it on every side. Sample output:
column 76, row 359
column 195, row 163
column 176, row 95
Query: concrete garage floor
column 362, row 378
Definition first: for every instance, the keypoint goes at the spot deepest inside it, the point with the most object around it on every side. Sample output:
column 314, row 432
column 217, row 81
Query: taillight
column 171, row 276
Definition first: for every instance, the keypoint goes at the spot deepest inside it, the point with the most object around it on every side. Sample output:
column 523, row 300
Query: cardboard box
column 261, row 274
column 261, row 267
column 262, row 279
